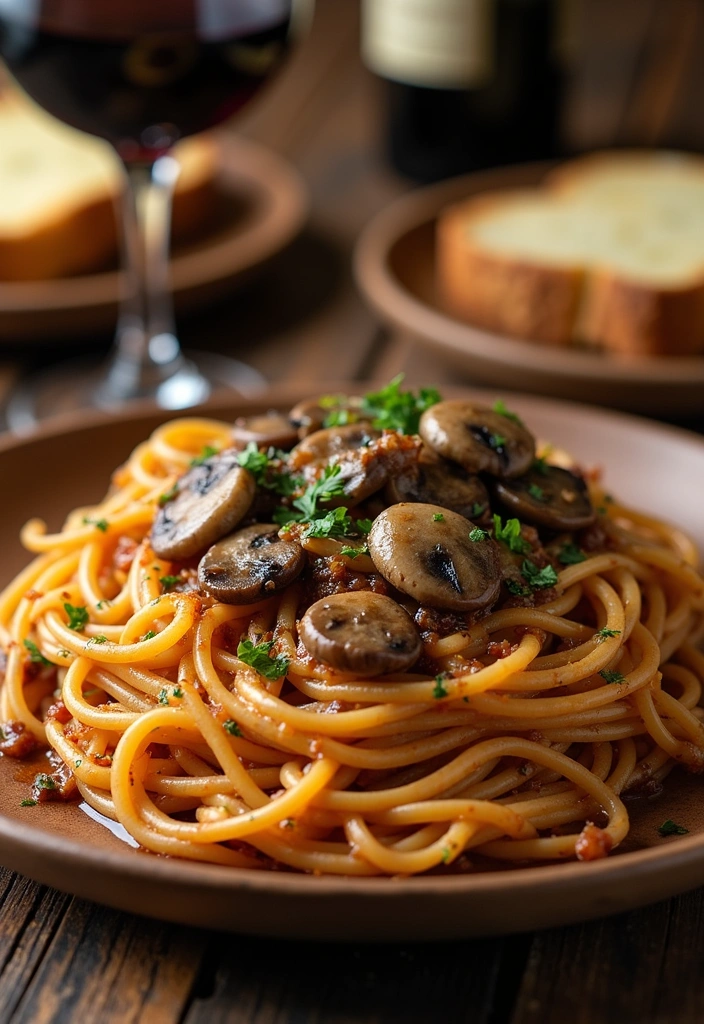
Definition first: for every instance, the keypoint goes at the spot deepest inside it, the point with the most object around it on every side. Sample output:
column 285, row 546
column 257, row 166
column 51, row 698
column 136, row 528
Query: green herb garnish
column 35, row 655
column 43, row 781
column 540, row 466
column 510, row 535
column 257, row 656
column 163, row 696
column 169, row 495
column 516, row 588
column 570, row 554
column 99, row 524
column 149, row 635
column 77, row 616
column 536, row 492
column 232, row 727
column 612, row 677
column 207, row 452
column 254, row 461
column 99, row 639
column 538, row 579
column 500, row 407
column 439, row 689
column 354, row 552
column 28, row 803
column 496, row 441
column 605, row 634
column 438, row 517
column 169, row 581
column 477, row 510
column 669, row 828
column 393, row 409
column 477, row 535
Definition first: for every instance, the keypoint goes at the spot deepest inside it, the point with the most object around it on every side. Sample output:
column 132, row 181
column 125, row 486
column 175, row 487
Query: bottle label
column 447, row 44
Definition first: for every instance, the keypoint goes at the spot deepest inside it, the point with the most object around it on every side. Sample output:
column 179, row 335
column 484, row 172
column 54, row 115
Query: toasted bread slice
column 609, row 252
column 58, row 189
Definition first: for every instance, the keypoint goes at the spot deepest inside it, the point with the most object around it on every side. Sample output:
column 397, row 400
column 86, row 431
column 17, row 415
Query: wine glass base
column 80, row 384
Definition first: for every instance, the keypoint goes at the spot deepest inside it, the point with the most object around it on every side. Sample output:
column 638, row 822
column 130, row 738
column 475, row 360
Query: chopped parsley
column 536, row 492
column 496, row 441
column 500, row 407
column 438, row 517
column 163, row 697
column 43, row 781
column 177, row 692
column 99, row 639
column 477, row 535
column 103, row 604
column 28, row 803
column 393, row 409
column 149, row 635
column 439, row 689
column 258, row 657
column 354, row 552
column 207, row 452
column 77, row 616
column 477, row 509
column 63, row 653
column 169, row 581
column 99, row 524
column 669, row 828
column 538, row 579
column 305, row 507
column 570, row 554
column 364, row 526
column 445, row 854
column 340, row 418
column 510, row 535
column 335, row 523
column 35, row 655
column 232, row 727
column 514, row 587
column 169, row 495
column 540, row 466
column 605, row 634
column 254, row 461
column 612, row 677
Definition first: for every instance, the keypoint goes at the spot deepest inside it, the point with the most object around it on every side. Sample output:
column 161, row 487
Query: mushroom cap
column 272, row 429
column 211, row 500
column 432, row 559
column 480, row 439
column 437, row 481
column 250, row 565
column 551, row 497
column 362, row 470
column 361, row 632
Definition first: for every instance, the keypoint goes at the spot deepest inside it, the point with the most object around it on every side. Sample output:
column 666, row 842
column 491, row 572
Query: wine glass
column 142, row 74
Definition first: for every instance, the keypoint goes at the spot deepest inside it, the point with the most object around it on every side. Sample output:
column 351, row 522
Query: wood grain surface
column 62, row 960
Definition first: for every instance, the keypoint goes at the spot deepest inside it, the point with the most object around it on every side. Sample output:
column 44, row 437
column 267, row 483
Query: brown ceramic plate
column 656, row 468
column 262, row 205
column 395, row 268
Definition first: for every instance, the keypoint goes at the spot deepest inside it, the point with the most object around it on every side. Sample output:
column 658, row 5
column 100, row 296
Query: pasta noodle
column 512, row 738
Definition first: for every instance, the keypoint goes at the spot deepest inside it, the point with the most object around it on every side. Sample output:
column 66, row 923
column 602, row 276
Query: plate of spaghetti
column 384, row 666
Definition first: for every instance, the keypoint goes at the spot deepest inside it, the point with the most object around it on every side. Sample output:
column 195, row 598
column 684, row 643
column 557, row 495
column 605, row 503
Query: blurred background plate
column 262, row 206
column 395, row 268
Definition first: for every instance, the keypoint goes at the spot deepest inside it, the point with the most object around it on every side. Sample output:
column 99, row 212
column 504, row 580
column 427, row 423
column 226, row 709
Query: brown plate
column 657, row 468
column 395, row 268
column 262, row 206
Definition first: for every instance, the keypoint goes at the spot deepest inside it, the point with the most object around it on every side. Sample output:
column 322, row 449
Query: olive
column 272, row 429
column 210, row 501
column 548, row 496
column 480, row 439
column 311, row 414
column 251, row 564
column 425, row 551
column 361, row 632
column 436, row 481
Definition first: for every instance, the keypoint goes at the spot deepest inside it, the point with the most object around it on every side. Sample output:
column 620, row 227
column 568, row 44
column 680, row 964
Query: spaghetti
column 212, row 731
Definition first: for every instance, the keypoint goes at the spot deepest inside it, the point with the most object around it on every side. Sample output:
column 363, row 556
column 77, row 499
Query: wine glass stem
column 147, row 352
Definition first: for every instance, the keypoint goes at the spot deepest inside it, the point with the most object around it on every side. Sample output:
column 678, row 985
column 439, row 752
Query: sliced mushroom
column 251, row 564
column 365, row 457
column 210, row 501
column 548, row 496
column 271, row 429
column 480, row 439
column 360, row 632
column 310, row 415
column 436, row 481
column 426, row 552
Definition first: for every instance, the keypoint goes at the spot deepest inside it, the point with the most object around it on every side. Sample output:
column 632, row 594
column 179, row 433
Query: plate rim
column 21, row 843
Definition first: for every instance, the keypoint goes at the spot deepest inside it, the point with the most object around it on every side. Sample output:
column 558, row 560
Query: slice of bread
column 57, row 193
column 609, row 252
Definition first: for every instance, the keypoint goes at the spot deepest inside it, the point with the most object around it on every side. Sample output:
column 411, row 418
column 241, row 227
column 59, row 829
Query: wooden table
column 65, row 960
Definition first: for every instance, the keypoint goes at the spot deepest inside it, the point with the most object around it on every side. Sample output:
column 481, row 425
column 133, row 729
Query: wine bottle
column 470, row 83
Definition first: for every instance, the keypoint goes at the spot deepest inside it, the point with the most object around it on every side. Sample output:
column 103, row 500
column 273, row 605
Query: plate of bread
column 583, row 280
column 235, row 205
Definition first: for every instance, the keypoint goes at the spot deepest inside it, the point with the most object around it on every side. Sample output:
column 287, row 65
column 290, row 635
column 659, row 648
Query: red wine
column 143, row 90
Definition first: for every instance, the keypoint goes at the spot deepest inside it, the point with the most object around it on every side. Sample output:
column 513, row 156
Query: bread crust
column 558, row 305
